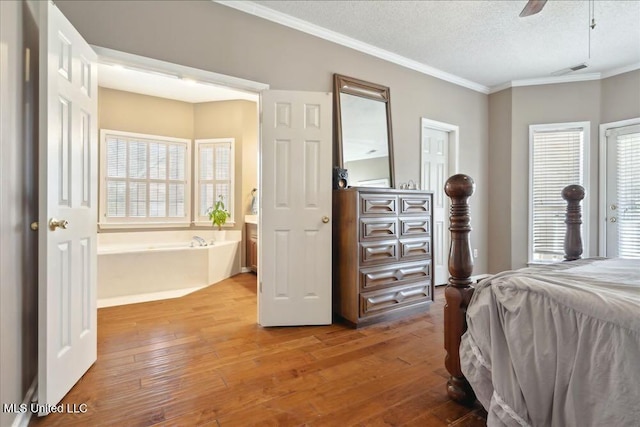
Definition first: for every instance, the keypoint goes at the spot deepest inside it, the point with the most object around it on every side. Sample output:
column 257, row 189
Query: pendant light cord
column 592, row 21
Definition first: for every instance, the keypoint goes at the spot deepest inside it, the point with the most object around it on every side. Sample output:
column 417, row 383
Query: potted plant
column 218, row 214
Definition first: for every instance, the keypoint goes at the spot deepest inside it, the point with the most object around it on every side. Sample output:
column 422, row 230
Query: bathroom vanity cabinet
column 382, row 248
column 252, row 247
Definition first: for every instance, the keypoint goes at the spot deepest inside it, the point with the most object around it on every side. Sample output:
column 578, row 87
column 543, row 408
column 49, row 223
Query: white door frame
column 452, row 159
column 454, row 142
column 602, row 180
column 116, row 57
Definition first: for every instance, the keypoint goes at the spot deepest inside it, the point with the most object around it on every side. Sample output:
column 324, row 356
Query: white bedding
column 557, row 345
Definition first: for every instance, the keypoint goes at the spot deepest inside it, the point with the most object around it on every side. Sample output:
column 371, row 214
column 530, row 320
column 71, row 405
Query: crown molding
column 547, row 81
column 566, row 79
column 621, row 70
column 332, row 36
column 500, row 87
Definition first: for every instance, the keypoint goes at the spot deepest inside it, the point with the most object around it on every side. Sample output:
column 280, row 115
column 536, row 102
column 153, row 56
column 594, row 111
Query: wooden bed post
column 459, row 290
column 573, row 194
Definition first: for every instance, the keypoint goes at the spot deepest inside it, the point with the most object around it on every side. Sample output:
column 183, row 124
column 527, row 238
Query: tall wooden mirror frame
column 364, row 89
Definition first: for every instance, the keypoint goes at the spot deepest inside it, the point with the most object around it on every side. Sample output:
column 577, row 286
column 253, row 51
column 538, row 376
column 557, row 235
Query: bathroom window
column 214, row 175
column 144, row 180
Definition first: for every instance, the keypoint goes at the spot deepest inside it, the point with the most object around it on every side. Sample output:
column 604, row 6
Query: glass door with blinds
column 622, row 226
column 558, row 154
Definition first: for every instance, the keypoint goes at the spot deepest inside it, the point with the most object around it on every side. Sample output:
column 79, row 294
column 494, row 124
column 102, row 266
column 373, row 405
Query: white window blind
column 628, row 181
column 145, row 179
column 215, row 159
column 557, row 160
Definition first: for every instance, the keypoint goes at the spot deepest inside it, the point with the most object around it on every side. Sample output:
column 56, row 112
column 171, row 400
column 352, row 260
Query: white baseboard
column 245, row 270
column 23, row 418
column 152, row 296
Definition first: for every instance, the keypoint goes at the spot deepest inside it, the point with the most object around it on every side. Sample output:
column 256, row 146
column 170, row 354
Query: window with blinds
column 628, row 194
column 145, row 179
column 557, row 158
column 214, row 174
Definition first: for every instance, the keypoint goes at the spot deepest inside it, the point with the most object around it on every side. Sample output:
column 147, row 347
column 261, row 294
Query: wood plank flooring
column 202, row 360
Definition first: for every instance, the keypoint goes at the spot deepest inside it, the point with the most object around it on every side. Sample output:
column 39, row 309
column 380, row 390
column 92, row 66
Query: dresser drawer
column 372, row 228
column 393, row 275
column 412, row 248
column 415, row 204
column 378, row 251
column 378, row 204
column 377, row 302
column 415, row 226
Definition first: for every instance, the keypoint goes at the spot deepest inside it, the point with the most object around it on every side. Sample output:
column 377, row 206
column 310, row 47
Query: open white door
column 295, row 206
column 67, row 313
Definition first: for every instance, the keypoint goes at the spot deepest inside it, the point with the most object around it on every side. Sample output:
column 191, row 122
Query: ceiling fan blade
column 532, row 7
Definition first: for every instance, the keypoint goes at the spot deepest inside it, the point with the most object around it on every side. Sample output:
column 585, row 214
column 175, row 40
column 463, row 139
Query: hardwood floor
column 201, row 360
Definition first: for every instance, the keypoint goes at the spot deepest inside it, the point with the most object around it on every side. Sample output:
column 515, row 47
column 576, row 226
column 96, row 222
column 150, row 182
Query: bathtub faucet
column 200, row 240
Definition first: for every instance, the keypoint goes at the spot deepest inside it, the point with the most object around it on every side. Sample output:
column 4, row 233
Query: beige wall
column 132, row 112
column 189, row 33
column 500, row 181
column 249, row 154
column 558, row 103
column 621, row 97
column 238, row 120
column 512, row 111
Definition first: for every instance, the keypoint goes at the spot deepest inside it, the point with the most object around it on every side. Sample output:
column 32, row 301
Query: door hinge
column 260, row 287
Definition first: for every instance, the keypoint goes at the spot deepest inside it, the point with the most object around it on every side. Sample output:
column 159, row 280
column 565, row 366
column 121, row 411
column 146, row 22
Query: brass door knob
column 325, row 219
column 58, row 223
column 34, row 226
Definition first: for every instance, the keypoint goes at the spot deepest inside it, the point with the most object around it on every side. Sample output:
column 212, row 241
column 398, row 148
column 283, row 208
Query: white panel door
column 435, row 160
column 67, row 310
column 623, row 192
column 295, row 207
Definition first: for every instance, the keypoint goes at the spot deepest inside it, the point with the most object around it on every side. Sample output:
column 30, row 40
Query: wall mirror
column 362, row 126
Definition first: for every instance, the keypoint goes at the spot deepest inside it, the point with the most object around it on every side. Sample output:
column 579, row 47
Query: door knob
column 58, row 223
column 325, row 219
column 613, row 219
column 34, row 225
column 614, row 207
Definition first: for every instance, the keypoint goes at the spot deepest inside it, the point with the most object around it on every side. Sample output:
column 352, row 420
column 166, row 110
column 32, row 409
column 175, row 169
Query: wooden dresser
column 382, row 246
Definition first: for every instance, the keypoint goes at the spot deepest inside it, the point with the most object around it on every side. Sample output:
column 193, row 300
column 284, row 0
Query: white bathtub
column 144, row 269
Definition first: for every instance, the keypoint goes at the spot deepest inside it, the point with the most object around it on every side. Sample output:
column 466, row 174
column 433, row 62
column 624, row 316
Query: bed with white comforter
column 557, row 345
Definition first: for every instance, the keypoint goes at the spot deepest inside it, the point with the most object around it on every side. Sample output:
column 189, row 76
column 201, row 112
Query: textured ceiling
column 485, row 41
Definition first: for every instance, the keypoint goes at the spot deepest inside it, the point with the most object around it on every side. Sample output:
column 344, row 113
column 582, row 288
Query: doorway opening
column 619, row 188
column 438, row 160
column 157, row 210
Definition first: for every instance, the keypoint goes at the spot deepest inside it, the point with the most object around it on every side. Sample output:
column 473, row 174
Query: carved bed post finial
column 459, row 290
column 573, row 194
